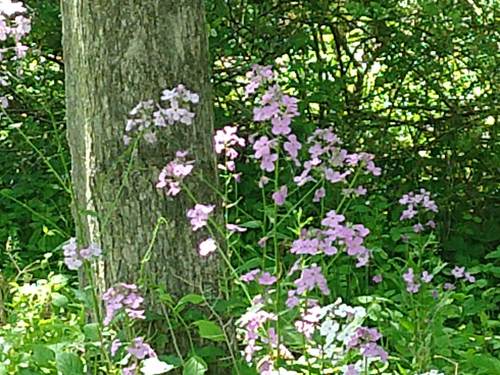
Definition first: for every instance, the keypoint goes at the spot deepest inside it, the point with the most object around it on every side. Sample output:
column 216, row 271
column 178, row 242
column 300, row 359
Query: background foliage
column 414, row 81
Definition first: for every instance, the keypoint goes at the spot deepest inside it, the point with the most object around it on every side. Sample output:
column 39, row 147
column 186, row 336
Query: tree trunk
column 117, row 53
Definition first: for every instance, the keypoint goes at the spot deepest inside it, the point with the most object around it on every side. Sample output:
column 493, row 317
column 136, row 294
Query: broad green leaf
column 209, row 330
column 195, row 299
column 43, row 355
column 195, row 366
column 69, row 364
column 91, row 331
column 59, row 300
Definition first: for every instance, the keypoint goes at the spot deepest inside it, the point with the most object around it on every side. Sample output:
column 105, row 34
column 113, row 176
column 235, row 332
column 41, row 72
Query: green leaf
column 209, row 330
column 195, row 299
column 252, row 224
column 494, row 254
column 43, row 355
column 195, row 366
column 69, row 364
column 91, row 331
column 487, row 363
column 59, row 300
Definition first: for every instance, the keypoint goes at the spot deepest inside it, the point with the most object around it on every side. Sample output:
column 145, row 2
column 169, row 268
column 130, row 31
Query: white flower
column 9, row 8
column 153, row 366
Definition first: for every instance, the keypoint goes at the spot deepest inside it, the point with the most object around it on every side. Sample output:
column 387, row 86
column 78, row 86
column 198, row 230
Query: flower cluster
column 258, row 76
column 252, row 329
column 138, row 350
column 412, row 285
column 275, row 106
column 126, row 297
column 316, row 241
column 263, row 278
column 199, row 215
column 174, row 107
column 327, row 160
column 416, row 202
column 172, row 175
column 334, row 333
column 14, row 26
column 225, row 141
column 459, row 273
column 74, row 257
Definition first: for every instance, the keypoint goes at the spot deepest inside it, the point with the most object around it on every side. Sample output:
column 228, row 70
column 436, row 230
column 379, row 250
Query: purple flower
column 140, row 350
column 122, row 296
column 409, row 278
column 235, row 228
column 225, row 140
column 458, row 272
column 280, row 196
column 207, row 247
column 310, row 278
column 332, row 219
column 431, row 224
column 377, row 279
column 292, row 146
column 427, row 277
column 199, row 215
column 115, row 345
column 448, row 286
column 174, row 173
column 351, row 370
column 360, row 190
column 267, row 162
column 292, row 299
column 250, row 276
column 469, row 277
column 130, row 370
column 319, row 194
column 73, row 258
column 305, row 246
column 266, row 279
column 92, row 250
column 417, row 228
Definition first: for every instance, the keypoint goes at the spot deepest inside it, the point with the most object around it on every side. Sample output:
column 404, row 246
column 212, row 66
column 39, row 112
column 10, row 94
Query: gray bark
column 117, row 53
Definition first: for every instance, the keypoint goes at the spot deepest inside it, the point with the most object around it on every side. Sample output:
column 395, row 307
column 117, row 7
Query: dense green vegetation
column 414, row 82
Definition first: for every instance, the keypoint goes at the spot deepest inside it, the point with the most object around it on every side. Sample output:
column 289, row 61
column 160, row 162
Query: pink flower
column 458, row 272
column 280, row 196
column 377, row 279
column 417, row 228
column 267, row 162
column 140, row 350
column 431, row 224
column 469, row 277
column 226, row 139
column 281, row 125
column 235, row 228
column 427, row 277
column 199, row 215
column 360, row 190
column 266, row 279
column 250, row 276
column 409, row 278
column 207, row 247
column 115, row 345
column 174, row 173
column 319, row 194
column 292, row 146
column 310, row 278
column 262, row 147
